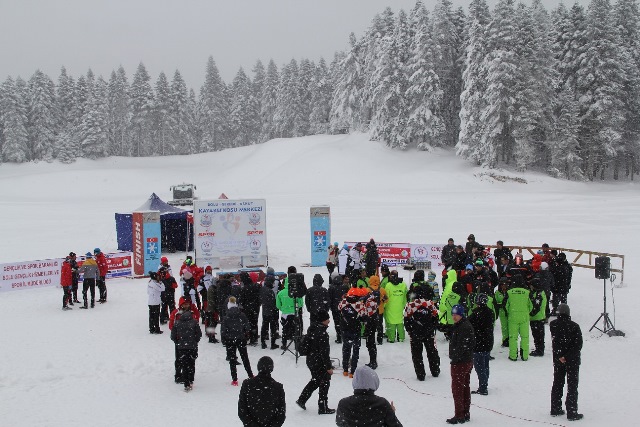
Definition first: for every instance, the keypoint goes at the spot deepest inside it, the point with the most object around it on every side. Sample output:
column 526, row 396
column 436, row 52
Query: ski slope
column 101, row 367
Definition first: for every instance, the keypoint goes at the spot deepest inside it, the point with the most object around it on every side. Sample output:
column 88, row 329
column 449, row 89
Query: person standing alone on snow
column 566, row 341
column 90, row 272
column 154, row 291
column 261, row 402
column 461, row 346
column 186, row 335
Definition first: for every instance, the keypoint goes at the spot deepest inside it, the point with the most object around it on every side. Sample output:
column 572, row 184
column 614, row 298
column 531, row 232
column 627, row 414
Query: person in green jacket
column 518, row 308
column 384, row 272
column 538, row 317
column 449, row 297
column 394, row 308
column 501, row 299
column 363, row 280
column 286, row 305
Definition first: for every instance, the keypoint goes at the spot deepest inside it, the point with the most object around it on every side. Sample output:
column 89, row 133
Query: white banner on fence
column 46, row 272
column 227, row 228
column 30, row 274
column 428, row 252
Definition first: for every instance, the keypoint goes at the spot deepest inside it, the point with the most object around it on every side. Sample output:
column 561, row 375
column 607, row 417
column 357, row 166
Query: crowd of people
column 370, row 301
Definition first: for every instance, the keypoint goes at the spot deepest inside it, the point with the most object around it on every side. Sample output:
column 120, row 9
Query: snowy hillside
column 101, row 367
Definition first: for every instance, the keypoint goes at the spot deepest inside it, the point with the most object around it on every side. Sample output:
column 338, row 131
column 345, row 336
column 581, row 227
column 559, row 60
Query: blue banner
column 320, row 234
column 152, row 248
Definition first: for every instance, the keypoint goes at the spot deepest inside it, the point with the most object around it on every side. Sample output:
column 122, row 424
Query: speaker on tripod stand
column 603, row 271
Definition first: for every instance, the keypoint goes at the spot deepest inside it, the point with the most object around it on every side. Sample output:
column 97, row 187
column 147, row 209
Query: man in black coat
column 250, row 305
column 462, row 342
column 269, row 312
column 448, row 251
column 317, row 298
column 337, row 289
column 471, row 244
column 562, row 272
column 364, row 408
column 233, row 334
column 460, row 260
column 566, row 340
column 261, row 402
column 501, row 251
column 224, row 292
column 482, row 319
column 319, row 363
column 186, row 334
column 371, row 261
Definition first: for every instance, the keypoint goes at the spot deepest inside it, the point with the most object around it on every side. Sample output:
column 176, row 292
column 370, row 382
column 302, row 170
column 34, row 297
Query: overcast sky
column 170, row 34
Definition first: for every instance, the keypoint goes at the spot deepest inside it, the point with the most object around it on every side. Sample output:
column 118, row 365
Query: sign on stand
column 230, row 228
column 320, row 234
column 146, row 242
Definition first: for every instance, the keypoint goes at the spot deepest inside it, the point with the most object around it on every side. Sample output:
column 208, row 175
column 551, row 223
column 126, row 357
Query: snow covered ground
column 101, row 367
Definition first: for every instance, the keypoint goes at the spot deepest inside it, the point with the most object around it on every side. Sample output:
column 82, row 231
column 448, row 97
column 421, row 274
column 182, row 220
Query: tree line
column 517, row 85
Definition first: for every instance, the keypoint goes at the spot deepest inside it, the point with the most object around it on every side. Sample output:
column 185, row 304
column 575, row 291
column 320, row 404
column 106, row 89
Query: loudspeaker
column 603, row 267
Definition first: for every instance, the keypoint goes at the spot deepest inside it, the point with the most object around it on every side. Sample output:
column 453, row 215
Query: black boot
column 323, row 408
column 264, row 345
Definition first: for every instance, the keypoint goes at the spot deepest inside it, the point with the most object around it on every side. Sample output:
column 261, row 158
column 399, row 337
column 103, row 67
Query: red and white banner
column 43, row 273
column 391, row 254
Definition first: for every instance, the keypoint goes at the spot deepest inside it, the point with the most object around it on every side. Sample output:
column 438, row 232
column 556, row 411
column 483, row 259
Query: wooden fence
column 581, row 258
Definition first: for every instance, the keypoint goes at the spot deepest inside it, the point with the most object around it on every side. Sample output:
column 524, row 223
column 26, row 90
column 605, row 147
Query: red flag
column 190, row 217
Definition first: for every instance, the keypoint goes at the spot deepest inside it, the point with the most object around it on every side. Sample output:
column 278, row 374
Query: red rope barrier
column 477, row 406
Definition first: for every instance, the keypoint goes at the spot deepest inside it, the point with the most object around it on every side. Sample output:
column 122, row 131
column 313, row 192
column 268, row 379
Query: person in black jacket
column 269, row 311
column 319, row 363
column 461, row 345
column 224, row 292
column 460, row 260
column 364, row 408
column 448, row 251
column 317, row 298
column 233, row 333
column 501, row 251
column 471, row 244
column 419, row 282
column 562, row 272
column 337, row 289
column 186, row 334
column 261, row 402
column 371, row 260
column 251, row 305
column 482, row 319
column 566, row 340
column 421, row 320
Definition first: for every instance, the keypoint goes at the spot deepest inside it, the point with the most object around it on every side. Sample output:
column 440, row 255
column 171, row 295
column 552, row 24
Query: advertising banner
column 391, row 254
column 320, row 234
column 229, row 228
column 146, row 242
column 30, row 274
column 43, row 273
column 428, row 252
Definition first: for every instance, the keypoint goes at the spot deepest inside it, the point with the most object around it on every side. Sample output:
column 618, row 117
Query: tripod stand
column 297, row 333
column 607, row 325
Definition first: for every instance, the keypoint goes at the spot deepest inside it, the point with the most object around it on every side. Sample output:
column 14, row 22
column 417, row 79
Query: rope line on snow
column 478, row 406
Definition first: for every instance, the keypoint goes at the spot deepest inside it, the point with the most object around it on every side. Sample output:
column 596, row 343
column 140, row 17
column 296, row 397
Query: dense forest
column 556, row 91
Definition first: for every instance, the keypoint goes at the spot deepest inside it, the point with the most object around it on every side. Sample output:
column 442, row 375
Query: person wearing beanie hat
column 482, row 319
column 319, row 364
column 379, row 295
column 352, row 313
column 364, row 408
column 538, row 314
column 186, row 335
column 74, row 277
column 262, row 400
column 371, row 258
column 566, row 342
column 471, row 245
column 269, row 309
column 431, row 281
column 448, row 252
column 394, row 308
column 462, row 342
column 90, row 272
column 154, row 293
column 338, row 287
column 518, row 308
column 546, row 283
column 66, row 281
column 233, row 334
column 332, row 257
column 317, row 298
column 101, row 280
column 421, row 320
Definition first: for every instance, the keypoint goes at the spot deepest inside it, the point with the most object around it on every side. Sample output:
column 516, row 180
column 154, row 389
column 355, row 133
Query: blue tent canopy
column 173, row 226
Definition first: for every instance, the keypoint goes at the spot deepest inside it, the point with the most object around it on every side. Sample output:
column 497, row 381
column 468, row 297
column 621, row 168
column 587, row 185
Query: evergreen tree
column 321, row 94
column 141, row 98
column 269, row 102
column 424, row 93
column 66, row 147
column 118, row 114
column 257, row 86
column 15, row 146
column 65, row 100
column 94, row 141
column 288, row 102
column 181, row 116
column 162, row 120
column 214, row 109
column 42, row 116
column 347, row 105
column 306, row 81
column 244, row 122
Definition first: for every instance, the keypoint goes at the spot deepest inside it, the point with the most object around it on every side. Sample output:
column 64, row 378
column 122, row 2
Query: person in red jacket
column 183, row 301
column 66, row 281
column 103, row 269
